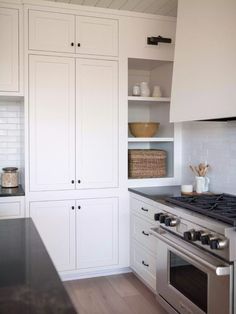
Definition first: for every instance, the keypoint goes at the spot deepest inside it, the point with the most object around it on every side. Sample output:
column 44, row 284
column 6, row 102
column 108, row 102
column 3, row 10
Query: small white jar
column 145, row 90
column 136, row 90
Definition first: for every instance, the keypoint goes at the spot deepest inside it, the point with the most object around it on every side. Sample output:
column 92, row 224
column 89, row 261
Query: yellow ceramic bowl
column 143, row 129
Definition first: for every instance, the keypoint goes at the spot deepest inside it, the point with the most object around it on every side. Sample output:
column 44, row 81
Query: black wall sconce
column 157, row 40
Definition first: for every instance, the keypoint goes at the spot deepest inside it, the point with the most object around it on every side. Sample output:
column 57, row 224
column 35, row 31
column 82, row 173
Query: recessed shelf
column 150, row 139
column 155, row 99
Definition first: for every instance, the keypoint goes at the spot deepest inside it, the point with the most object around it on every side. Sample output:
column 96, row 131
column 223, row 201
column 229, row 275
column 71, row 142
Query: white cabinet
column 97, row 36
column 59, row 32
column 9, row 52
column 55, row 221
column 11, row 207
column 53, row 135
column 204, row 72
column 78, row 234
column 96, row 123
column 51, row 31
column 97, row 232
column 52, row 123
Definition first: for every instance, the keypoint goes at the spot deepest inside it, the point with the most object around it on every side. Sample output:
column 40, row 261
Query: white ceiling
column 162, row 7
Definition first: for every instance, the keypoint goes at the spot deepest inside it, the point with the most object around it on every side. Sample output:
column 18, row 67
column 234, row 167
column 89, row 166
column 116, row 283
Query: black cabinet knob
column 72, row 44
column 72, row 181
column 145, row 233
column 73, row 207
column 78, row 44
column 79, row 181
column 79, row 207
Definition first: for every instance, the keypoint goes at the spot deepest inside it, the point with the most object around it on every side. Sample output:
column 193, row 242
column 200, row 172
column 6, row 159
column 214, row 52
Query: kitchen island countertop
column 29, row 282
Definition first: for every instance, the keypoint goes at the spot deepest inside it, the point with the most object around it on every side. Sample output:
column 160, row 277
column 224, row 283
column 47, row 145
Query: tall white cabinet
column 9, row 52
column 59, row 126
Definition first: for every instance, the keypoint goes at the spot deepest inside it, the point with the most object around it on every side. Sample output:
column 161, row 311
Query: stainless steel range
column 197, row 253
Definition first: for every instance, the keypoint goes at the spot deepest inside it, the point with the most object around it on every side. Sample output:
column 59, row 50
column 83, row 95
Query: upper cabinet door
column 52, row 123
column 204, row 77
column 9, row 52
column 97, row 123
column 50, row 31
column 96, row 36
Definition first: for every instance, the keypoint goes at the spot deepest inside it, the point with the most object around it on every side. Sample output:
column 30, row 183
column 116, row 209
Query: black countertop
column 11, row 191
column 29, row 283
column 158, row 193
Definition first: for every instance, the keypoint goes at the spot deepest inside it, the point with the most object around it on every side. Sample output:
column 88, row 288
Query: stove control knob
column 199, row 234
column 190, row 235
column 157, row 216
column 162, row 218
column 218, row 244
column 205, row 238
column 171, row 221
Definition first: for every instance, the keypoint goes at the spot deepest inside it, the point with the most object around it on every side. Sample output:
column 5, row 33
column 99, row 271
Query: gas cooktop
column 218, row 206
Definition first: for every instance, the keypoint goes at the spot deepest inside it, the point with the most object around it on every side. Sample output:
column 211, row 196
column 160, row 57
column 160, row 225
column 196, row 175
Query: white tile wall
column 214, row 142
column 12, row 135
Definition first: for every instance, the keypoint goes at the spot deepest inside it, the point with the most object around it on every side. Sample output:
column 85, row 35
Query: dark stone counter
column 29, row 283
column 157, row 193
column 11, row 191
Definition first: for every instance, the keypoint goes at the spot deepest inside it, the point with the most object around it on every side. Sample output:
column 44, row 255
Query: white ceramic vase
column 145, row 90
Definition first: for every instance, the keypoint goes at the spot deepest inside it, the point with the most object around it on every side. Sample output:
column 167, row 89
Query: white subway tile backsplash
column 11, row 134
column 215, row 143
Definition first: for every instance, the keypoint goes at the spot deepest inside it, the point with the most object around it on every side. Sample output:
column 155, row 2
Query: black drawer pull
column 78, row 44
column 72, row 181
column 144, row 209
column 79, row 207
column 73, row 207
column 145, row 264
column 146, row 234
column 72, row 44
column 79, row 181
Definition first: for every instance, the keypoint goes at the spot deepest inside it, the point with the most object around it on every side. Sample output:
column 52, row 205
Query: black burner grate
column 218, row 206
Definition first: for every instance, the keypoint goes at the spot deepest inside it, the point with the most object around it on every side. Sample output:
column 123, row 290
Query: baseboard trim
column 77, row 275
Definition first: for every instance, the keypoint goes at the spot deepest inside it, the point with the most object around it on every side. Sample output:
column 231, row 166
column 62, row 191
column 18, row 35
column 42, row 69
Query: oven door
column 191, row 280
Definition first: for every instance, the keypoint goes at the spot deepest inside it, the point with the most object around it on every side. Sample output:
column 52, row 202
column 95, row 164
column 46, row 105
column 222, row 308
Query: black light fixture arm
column 157, row 40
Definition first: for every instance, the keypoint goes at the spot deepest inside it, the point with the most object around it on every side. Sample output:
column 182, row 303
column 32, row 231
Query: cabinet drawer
column 11, row 209
column 140, row 231
column 144, row 264
column 142, row 208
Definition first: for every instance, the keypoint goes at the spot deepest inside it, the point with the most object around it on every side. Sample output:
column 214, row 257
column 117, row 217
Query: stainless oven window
column 188, row 280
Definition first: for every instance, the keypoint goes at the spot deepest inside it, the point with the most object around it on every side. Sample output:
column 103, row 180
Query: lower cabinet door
column 97, row 232
column 55, row 222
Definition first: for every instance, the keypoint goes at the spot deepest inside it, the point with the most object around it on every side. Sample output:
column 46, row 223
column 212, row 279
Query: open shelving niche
column 153, row 109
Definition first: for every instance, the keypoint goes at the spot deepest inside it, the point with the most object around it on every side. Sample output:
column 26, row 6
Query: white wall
column 214, row 142
column 11, row 135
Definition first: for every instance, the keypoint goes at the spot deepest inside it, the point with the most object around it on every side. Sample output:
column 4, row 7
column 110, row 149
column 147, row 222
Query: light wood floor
column 119, row 294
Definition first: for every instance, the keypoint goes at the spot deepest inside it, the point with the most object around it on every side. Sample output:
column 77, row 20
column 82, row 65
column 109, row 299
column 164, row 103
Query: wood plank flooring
column 119, row 294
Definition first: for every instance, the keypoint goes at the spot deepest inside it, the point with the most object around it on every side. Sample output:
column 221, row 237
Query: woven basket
column 146, row 163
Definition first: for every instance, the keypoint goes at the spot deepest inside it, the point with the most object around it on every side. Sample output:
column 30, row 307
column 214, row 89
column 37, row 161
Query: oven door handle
column 219, row 270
